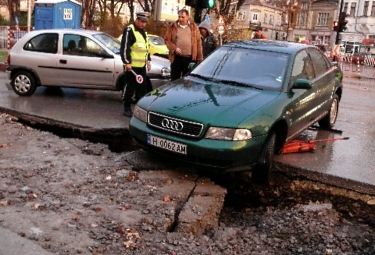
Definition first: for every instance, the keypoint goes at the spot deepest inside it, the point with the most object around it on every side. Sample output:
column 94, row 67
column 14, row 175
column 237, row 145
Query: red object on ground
column 302, row 146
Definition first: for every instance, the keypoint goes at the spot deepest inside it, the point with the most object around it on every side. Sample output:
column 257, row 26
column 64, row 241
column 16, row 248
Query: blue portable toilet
column 57, row 14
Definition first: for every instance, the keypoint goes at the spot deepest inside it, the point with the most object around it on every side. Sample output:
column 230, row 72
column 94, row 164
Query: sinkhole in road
column 242, row 194
column 118, row 140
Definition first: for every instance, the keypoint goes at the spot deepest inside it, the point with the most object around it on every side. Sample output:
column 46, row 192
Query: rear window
column 46, row 43
column 157, row 40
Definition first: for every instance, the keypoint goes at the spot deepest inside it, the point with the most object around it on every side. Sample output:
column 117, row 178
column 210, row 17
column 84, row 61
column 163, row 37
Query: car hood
column 213, row 103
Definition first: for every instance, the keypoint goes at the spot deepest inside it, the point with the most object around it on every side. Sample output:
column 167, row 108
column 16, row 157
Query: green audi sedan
column 238, row 107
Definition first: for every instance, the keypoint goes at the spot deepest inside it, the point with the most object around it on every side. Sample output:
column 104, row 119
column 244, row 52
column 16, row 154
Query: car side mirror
column 191, row 65
column 302, row 84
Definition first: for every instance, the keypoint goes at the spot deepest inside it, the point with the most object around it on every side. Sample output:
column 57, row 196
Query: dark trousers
column 179, row 67
column 132, row 86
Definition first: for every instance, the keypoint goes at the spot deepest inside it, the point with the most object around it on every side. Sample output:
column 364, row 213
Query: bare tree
column 227, row 10
column 13, row 6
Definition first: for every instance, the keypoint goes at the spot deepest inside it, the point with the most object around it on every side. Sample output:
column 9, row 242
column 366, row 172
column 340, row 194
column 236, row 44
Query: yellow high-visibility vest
column 139, row 49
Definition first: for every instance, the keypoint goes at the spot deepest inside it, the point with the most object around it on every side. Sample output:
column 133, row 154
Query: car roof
column 270, row 45
column 58, row 30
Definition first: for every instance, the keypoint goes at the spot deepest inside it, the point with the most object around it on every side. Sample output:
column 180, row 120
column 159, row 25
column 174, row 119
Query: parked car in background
column 238, row 107
column 72, row 58
column 158, row 46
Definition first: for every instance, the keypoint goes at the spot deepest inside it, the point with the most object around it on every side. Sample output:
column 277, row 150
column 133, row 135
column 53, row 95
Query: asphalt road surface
column 345, row 163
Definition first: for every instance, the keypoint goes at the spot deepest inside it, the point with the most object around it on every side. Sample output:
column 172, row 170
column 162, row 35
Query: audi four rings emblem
column 172, row 124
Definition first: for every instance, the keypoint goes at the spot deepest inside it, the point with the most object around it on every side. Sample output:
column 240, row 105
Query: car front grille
column 174, row 125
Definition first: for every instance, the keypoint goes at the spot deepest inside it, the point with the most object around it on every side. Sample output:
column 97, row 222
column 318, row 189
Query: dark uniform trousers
column 131, row 86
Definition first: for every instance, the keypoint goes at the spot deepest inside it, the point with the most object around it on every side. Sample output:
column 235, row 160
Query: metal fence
column 365, row 67
column 9, row 35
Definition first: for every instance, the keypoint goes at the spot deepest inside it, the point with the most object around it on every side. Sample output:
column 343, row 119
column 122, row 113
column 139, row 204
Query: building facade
column 361, row 20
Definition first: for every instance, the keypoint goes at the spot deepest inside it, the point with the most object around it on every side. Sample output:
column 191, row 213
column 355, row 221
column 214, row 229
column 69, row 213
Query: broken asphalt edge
column 333, row 180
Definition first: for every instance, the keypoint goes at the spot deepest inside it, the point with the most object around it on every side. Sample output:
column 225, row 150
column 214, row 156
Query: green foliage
column 3, row 21
column 3, row 56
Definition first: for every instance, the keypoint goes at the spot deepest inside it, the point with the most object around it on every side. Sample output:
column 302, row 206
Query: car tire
column 330, row 119
column 23, row 83
column 262, row 172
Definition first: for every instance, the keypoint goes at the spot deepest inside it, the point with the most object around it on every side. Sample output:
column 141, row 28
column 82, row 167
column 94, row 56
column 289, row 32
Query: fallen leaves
column 130, row 244
column 4, row 145
column 4, row 203
column 130, row 237
column 166, row 198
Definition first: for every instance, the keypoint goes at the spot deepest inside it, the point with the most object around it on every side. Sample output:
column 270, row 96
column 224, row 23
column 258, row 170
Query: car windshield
column 157, row 40
column 244, row 67
column 110, row 42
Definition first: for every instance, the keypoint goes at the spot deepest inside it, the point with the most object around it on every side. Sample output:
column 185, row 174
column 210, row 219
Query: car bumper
column 219, row 154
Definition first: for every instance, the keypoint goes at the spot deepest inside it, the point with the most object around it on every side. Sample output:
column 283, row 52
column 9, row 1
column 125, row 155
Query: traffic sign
column 220, row 25
column 221, row 29
column 221, row 20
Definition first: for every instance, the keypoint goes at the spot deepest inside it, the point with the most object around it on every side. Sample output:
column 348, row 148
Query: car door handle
column 63, row 61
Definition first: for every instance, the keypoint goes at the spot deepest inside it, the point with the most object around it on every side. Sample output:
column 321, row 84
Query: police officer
column 135, row 57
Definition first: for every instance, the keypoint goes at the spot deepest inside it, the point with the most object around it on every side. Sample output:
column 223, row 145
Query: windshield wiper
column 237, row 83
column 202, row 77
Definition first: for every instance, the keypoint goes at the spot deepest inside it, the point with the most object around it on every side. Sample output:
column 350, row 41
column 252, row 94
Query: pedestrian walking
column 135, row 57
column 184, row 44
column 209, row 41
column 258, row 33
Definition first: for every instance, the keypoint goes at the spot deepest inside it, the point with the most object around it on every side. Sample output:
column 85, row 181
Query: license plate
column 166, row 144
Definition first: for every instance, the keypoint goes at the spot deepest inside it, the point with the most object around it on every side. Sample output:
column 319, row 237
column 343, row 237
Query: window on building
column 345, row 8
column 301, row 19
column 323, row 19
column 271, row 19
column 373, row 9
column 352, row 9
column 241, row 15
column 255, row 17
column 265, row 18
column 365, row 8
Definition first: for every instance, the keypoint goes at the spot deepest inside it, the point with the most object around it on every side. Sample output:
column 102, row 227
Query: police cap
column 143, row 16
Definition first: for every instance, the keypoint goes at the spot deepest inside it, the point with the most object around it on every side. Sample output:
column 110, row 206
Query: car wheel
column 330, row 119
column 262, row 171
column 23, row 83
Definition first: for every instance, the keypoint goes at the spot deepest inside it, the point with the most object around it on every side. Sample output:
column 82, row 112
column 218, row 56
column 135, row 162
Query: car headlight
column 229, row 134
column 165, row 72
column 140, row 113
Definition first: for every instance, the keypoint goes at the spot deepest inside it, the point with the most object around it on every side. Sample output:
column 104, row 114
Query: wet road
column 345, row 163
column 351, row 159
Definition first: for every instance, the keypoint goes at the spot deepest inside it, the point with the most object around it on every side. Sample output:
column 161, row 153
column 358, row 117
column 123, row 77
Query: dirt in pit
column 76, row 197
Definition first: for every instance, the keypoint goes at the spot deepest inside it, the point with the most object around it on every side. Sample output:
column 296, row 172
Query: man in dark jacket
column 209, row 42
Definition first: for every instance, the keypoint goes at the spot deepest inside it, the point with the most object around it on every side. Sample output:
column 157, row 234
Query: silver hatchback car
column 72, row 58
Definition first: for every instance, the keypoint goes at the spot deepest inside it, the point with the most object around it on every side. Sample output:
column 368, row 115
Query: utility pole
column 338, row 39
